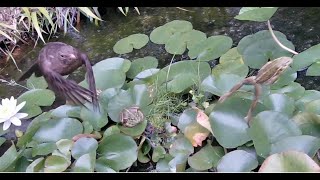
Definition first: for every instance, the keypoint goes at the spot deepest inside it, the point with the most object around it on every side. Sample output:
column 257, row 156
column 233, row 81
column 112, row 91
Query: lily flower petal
column 15, row 121
column 21, row 115
column 6, row 125
column 20, row 106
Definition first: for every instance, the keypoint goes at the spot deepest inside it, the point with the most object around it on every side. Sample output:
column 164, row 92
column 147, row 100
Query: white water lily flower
column 9, row 112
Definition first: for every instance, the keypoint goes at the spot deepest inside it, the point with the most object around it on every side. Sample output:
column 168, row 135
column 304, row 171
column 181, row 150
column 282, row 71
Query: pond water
column 300, row 25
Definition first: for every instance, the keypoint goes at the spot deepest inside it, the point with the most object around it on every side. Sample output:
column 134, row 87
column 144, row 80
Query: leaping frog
column 267, row 75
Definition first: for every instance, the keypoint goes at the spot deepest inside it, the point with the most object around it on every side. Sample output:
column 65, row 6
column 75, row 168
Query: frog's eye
column 61, row 55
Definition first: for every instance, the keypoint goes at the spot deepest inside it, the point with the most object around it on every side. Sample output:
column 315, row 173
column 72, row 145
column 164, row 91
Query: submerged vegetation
column 170, row 116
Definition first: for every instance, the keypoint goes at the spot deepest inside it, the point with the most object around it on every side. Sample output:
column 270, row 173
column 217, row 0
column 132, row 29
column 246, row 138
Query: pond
column 300, row 25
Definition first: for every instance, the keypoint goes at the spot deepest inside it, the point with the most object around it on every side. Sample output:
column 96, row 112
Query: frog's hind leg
column 247, row 81
column 257, row 93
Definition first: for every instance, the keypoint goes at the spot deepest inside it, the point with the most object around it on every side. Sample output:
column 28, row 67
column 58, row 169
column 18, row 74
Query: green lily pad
column 188, row 117
column 54, row 130
column 280, row 103
column 85, row 163
column 182, row 75
column 163, row 164
column 134, row 131
column 35, row 98
column 231, row 55
column 8, row 158
column 146, row 74
column 307, row 144
column 289, row 161
column 231, row 67
column 65, row 111
column 181, row 146
column 162, row 34
column 118, row 150
column 269, row 127
column 219, row 85
column 37, row 82
column 55, row 164
column 84, row 146
column 313, row 106
column 43, row 149
column 96, row 119
column 313, row 70
column 2, row 140
column 127, row 44
column 114, row 63
column 142, row 158
column 196, row 133
column 64, row 145
column 102, row 166
column 306, row 58
column 141, row 64
column 158, row 153
column 178, row 163
column 309, row 123
column 36, row 166
column 179, row 42
column 228, row 117
column 22, row 164
column 258, row 14
column 114, row 129
column 308, row 96
column 293, row 90
column 211, row 48
column 206, row 158
column 258, row 48
column 237, row 161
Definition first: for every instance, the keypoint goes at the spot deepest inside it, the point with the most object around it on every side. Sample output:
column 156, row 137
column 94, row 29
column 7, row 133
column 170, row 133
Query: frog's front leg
column 257, row 93
column 247, row 81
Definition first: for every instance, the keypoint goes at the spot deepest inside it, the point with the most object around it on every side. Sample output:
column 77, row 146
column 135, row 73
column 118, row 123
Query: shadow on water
column 299, row 24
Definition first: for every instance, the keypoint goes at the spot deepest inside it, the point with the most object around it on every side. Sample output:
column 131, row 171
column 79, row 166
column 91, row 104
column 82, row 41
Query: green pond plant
column 170, row 117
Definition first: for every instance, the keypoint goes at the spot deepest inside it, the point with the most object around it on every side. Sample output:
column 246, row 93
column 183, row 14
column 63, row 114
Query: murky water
column 299, row 24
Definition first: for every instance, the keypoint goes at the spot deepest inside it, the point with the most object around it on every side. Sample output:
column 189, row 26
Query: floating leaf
column 207, row 158
column 231, row 67
column 118, row 151
column 313, row 107
column 293, row 90
column 43, row 149
column 178, row 163
column 258, row 14
column 158, row 153
column 37, row 82
column 237, row 161
column 85, row 163
column 126, row 45
column 102, row 166
column 232, row 55
column 181, row 146
column 163, row 164
column 188, row 117
column 268, row 127
column 309, row 123
column 162, row 34
column 64, row 146
column 55, row 164
column 196, row 133
column 211, row 48
column 8, row 158
column 308, row 96
column 96, row 119
column 178, row 42
column 134, row 131
column 36, row 166
column 35, row 98
column 228, row 123
column 54, row 130
column 203, row 120
column 279, row 103
column 141, row 64
column 313, row 70
column 114, row 129
column 142, row 158
column 307, row 144
column 258, row 48
column 65, row 111
column 289, row 161
column 306, row 58
column 114, row 63
column 84, row 146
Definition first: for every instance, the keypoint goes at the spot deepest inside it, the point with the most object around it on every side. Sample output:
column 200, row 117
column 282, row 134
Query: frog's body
column 267, row 75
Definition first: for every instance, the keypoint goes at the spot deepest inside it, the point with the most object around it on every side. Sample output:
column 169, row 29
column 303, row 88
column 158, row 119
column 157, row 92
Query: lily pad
column 269, row 127
column 179, row 42
column 37, row 82
column 178, row 163
column 258, row 14
column 306, row 58
column 65, row 111
column 308, row 96
column 102, row 166
column 188, row 117
column 8, row 158
column 293, row 90
column 54, row 130
column 228, row 123
column 163, row 164
column 309, row 123
column 196, row 133
column 181, row 146
column 142, row 158
column 96, row 119
column 279, row 103
column 237, row 161
column 307, row 144
column 313, row 70
column 118, row 150
column 55, row 164
column 43, row 149
column 134, row 41
column 211, row 48
column 231, row 55
column 313, row 107
column 207, row 158
column 258, row 48
column 134, row 131
column 114, row 129
column 64, row 146
column 231, row 67
column 85, row 163
column 36, row 166
column 141, row 64
column 158, row 153
column 163, row 33
column 84, row 146
column 35, row 98
column 289, row 161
